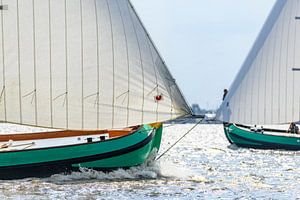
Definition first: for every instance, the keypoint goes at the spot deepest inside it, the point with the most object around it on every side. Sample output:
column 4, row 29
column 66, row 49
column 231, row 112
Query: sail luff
column 260, row 40
column 267, row 27
column 270, row 67
column 188, row 110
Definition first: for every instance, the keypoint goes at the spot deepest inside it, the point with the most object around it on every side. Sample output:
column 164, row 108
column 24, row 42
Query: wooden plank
column 62, row 134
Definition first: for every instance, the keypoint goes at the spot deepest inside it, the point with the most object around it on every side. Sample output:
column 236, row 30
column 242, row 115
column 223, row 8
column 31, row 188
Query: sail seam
column 128, row 65
column 276, row 29
column 66, row 70
column 280, row 60
column 266, row 76
column 34, row 61
column 113, row 64
column 140, row 54
column 259, row 82
column 247, row 117
column 98, row 64
column 82, row 67
column 19, row 60
column 50, row 65
column 286, row 65
column 252, row 89
column 156, row 78
column 294, row 60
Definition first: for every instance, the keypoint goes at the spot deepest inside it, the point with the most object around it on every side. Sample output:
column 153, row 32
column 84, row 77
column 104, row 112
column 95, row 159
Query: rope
column 186, row 120
column 179, row 139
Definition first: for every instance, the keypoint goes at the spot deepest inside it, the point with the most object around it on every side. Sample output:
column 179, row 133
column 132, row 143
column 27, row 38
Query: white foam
column 149, row 170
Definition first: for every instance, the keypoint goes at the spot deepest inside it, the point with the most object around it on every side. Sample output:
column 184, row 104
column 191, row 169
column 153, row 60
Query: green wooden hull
column 123, row 152
column 252, row 139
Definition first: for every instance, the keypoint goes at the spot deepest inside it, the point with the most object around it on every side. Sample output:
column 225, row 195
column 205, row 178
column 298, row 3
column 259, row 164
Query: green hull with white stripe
column 244, row 137
column 122, row 152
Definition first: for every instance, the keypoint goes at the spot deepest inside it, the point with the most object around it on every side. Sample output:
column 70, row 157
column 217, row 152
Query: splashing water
column 202, row 166
column 149, row 170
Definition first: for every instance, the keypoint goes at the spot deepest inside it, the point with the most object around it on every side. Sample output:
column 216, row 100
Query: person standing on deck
column 224, row 94
column 294, row 129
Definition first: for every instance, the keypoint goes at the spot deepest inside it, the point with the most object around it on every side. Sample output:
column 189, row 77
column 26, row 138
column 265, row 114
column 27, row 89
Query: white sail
column 266, row 90
column 81, row 65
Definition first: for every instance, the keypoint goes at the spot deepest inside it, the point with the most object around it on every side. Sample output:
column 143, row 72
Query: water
column 202, row 166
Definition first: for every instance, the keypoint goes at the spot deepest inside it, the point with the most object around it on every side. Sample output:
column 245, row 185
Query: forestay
column 81, row 65
column 266, row 90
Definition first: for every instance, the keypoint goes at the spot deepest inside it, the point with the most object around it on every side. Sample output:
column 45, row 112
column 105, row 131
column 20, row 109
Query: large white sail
column 82, row 65
column 266, row 90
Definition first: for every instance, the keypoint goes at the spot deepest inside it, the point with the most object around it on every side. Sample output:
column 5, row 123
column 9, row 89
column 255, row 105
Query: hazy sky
column 204, row 42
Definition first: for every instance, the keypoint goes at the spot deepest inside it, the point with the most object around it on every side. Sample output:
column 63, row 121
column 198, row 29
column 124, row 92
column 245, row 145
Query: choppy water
column 202, row 166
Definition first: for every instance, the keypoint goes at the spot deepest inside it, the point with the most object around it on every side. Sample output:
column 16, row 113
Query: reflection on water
column 202, row 166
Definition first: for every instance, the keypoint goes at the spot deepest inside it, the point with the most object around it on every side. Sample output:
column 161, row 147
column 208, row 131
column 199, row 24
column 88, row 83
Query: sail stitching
column 155, row 88
column 98, row 64
column 2, row 92
column 34, row 62
column 269, row 54
column 286, row 63
column 113, row 63
column 280, row 60
column 29, row 94
column 140, row 54
column 82, row 68
column 276, row 29
column 89, row 96
column 19, row 62
column 66, row 100
column 61, row 95
column 155, row 73
column 124, row 93
column 294, row 53
column 128, row 65
column 50, row 62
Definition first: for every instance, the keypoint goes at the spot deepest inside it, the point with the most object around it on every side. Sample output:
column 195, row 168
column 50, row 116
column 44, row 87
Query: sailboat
column 89, row 71
column 266, row 92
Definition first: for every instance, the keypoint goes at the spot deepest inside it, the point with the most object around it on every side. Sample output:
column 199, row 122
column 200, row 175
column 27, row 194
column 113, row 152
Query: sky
column 203, row 42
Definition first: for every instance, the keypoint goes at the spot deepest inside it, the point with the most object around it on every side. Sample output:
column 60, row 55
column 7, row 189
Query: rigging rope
column 190, row 130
